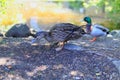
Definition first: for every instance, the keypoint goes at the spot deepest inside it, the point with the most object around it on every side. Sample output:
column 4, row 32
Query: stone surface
column 19, row 30
column 73, row 47
column 1, row 35
column 115, row 33
column 78, row 60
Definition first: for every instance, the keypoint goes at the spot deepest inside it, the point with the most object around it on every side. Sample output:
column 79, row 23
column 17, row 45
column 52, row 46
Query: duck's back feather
column 104, row 29
column 65, row 31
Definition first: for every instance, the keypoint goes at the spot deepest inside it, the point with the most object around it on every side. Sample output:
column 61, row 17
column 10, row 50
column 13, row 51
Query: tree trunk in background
column 103, row 8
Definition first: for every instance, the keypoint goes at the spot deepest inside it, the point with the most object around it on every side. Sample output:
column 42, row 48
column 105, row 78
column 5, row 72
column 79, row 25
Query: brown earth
column 19, row 60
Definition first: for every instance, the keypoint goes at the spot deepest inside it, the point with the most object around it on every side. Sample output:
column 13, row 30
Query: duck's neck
column 88, row 27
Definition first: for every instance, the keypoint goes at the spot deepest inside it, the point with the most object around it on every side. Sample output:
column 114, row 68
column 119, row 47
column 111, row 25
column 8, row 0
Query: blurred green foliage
column 114, row 14
column 73, row 4
column 112, row 9
column 2, row 6
column 76, row 4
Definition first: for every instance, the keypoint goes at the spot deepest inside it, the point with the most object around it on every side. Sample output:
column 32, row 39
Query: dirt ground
column 19, row 60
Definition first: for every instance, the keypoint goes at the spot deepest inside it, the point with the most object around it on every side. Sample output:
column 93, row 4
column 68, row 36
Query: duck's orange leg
column 94, row 39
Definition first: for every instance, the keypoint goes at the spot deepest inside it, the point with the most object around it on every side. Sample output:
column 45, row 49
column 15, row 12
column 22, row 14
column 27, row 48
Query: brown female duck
column 61, row 33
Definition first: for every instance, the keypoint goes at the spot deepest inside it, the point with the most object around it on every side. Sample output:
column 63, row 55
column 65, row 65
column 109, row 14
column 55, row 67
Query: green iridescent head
column 89, row 23
column 87, row 19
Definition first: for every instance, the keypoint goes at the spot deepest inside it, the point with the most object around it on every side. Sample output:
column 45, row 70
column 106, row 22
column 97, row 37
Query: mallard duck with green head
column 95, row 30
column 61, row 33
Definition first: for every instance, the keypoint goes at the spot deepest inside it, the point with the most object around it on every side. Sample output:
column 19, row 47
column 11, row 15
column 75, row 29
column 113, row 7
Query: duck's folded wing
column 62, row 31
column 104, row 29
column 63, row 27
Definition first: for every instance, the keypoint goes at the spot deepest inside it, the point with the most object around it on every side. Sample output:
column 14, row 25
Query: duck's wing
column 75, row 34
column 100, row 27
column 63, row 27
column 62, row 31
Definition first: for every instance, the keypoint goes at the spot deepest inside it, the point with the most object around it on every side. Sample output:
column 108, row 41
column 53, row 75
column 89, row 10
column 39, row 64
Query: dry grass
column 47, row 13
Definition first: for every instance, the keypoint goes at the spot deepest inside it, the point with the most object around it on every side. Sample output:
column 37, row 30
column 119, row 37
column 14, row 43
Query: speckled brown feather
column 66, row 31
column 61, row 32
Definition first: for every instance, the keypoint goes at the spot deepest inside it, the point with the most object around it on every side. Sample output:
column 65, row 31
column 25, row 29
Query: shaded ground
column 19, row 60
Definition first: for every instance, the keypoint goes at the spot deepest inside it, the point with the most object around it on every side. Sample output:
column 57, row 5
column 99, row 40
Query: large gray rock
column 19, row 30
column 115, row 33
column 1, row 35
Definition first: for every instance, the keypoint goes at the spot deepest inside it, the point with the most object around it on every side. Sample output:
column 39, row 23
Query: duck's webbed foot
column 94, row 39
column 61, row 45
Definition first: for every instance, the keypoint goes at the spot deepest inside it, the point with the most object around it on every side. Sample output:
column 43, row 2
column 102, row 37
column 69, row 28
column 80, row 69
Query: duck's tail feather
column 33, row 23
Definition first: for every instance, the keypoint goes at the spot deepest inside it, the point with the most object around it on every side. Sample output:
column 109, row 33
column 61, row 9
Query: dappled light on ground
column 4, row 60
column 25, row 61
column 37, row 69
